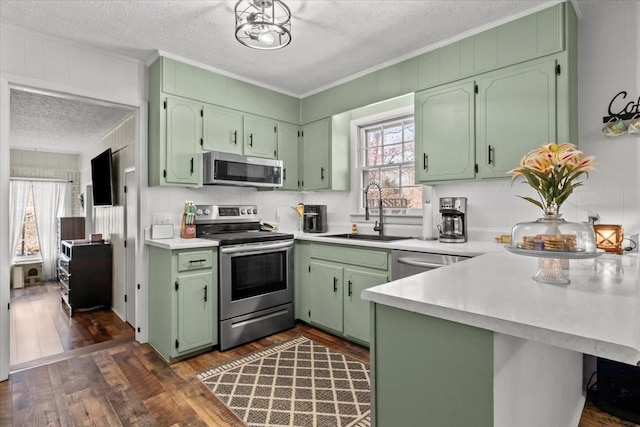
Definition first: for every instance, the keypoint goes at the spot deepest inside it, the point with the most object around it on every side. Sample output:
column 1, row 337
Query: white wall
column 41, row 62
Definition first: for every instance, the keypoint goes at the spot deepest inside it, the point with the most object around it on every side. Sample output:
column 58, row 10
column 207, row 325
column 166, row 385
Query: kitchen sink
column 373, row 237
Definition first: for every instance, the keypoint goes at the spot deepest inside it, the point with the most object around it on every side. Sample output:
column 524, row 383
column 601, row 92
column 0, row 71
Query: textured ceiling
column 52, row 124
column 331, row 40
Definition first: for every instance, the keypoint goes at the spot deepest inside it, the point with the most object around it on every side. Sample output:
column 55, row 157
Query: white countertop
column 598, row 313
column 180, row 243
column 470, row 248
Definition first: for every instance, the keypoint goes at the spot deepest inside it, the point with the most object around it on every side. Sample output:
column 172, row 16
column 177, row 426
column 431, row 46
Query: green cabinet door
column 195, row 301
column 315, row 162
column 445, row 133
column 302, row 259
column 184, row 130
column 516, row 113
column 259, row 137
column 222, row 130
column 356, row 310
column 288, row 153
column 326, row 295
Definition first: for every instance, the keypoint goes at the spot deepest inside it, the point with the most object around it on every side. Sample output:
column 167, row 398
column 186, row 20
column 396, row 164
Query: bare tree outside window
column 28, row 243
column 387, row 153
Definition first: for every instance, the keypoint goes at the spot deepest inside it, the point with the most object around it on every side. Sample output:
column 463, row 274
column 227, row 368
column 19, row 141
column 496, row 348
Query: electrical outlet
column 161, row 218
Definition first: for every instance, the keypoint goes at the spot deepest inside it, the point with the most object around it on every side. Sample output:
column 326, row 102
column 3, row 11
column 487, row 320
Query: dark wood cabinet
column 84, row 269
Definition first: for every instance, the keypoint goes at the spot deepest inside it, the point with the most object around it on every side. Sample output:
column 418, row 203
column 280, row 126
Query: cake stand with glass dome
column 555, row 241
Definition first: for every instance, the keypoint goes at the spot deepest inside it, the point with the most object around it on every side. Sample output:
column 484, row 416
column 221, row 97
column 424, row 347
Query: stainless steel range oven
column 255, row 273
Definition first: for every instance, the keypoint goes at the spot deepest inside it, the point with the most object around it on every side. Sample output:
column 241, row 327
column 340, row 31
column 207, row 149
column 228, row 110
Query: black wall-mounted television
column 102, row 179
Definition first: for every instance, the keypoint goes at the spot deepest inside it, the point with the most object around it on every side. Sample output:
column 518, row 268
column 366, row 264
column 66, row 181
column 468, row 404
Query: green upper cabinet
column 326, row 295
column 316, row 141
column 222, row 130
column 357, row 318
column 288, row 153
column 445, row 132
column 481, row 128
column 184, row 130
column 516, row 113
column 260, row 136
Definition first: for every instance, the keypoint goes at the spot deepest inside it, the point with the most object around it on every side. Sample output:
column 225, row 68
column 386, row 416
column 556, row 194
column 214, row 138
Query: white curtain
column 18, row 195
column 50, row 200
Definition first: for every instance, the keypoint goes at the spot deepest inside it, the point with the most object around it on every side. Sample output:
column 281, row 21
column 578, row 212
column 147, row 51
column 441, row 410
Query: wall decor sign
column 622, row 108
column 624, row 116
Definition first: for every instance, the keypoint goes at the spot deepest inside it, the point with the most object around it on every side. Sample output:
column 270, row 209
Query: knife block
column 187, row 231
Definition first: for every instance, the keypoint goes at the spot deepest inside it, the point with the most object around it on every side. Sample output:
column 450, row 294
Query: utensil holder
column 187, row 231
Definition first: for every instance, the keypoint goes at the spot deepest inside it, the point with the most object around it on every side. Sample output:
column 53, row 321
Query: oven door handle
column 256, row 249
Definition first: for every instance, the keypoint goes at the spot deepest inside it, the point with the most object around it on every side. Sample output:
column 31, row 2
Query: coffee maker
column 314, row 219
column 453, row 223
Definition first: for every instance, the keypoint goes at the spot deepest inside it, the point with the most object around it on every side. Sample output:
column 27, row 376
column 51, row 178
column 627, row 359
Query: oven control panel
column 227, row 213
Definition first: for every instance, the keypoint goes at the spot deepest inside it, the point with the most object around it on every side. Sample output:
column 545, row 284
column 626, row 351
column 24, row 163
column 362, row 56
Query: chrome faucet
column 377, row 227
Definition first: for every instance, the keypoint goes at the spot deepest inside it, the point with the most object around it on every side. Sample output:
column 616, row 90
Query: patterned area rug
column 296, row 383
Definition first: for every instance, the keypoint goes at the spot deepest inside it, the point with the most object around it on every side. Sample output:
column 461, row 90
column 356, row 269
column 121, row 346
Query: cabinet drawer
column 195, row 260
column 371, row 258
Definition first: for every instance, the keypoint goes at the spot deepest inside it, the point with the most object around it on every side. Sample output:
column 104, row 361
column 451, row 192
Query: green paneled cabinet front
column 445, row 130
column 516, row 113
column 195, row 301
column 302, row 259
column 331, row 279
column 183, row 301
column 260, row 136
column 288, row 153
column 357, row 317
column 222, row 130
column 316, row 140
column 326, row 296
column 183, row 133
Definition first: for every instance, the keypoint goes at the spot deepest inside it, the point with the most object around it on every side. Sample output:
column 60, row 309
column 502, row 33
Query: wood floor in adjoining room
column 41, row 328
column 129, row 384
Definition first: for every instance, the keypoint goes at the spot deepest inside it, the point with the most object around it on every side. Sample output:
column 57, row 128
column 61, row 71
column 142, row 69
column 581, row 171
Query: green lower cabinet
column 183, row 301
column 329, row 281
column 326, row 295
column 302, row 259
column 195, row 311
column 429, row 371
column 356, row 310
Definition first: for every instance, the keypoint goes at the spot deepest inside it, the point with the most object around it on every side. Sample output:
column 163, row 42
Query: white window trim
column 414, row 216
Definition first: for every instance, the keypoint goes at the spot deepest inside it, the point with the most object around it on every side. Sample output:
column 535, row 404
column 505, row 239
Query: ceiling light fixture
column 263, row 24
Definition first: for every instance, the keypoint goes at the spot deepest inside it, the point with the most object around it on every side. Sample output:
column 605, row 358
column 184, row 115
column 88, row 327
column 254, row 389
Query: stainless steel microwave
column 232, row 169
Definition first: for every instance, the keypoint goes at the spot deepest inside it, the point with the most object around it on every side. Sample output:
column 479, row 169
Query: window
column 29, row 243
column 386, row 153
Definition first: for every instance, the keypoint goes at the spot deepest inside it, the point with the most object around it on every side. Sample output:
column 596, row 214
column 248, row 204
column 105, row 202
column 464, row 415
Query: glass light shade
column 263, row 24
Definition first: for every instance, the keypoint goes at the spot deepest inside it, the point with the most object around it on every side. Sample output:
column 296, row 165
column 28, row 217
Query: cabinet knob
column 350, row 287
column 425, row 161
column 335, row 284
column 250, row 140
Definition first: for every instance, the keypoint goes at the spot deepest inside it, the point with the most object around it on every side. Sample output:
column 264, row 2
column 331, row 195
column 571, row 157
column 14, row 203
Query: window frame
column 358, row 128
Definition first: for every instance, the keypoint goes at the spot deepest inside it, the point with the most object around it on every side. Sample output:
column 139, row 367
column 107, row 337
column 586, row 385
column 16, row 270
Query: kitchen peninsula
column 480, row 343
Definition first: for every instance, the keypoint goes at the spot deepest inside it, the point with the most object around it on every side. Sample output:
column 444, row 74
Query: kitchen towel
column 427, row 221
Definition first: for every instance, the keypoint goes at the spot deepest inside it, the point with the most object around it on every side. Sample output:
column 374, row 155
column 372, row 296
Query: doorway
column 35, row 307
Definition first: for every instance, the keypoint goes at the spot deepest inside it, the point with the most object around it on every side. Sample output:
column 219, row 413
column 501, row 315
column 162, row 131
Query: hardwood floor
column 122, row 382
column 40, row 327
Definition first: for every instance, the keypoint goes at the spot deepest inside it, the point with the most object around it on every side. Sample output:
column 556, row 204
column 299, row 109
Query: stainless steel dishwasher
column 408, row 263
